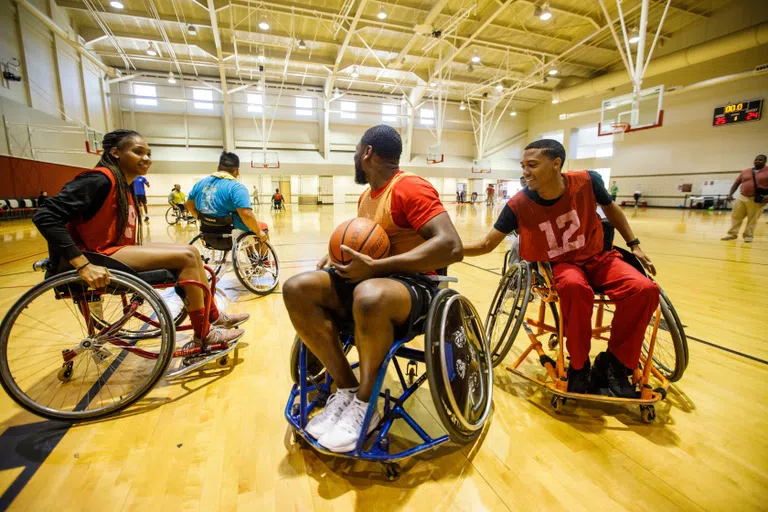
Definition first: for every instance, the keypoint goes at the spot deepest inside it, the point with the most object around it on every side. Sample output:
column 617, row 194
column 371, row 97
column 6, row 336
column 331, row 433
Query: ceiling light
column 381, row 15
column 513, row 113
column 302, row 44
column 433, row 83
column 462, row 106
column 475, row 57
column 151, row 51
column 552, row 72
column 192, row 29
column 116, row 4
column 543, row 12
column 634, row 35
column 260, row 56
column 355, row 73
column 500, row 87
column 264, row 24
column 336, row 92
column 171, row 78
column 555, row 101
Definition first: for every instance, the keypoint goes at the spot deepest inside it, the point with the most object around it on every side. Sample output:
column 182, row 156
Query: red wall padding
column 23, row 178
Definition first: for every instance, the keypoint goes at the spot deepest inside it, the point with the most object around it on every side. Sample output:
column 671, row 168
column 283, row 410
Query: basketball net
column 618, row 130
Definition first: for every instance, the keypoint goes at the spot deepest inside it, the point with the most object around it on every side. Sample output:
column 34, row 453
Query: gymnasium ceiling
column 396, row 54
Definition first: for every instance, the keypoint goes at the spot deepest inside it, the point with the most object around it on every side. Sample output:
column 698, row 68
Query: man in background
column 176, row 199
column 753, row 196
column 255, row 196
column 139, row 185
column 614, row 190
column 489, row 192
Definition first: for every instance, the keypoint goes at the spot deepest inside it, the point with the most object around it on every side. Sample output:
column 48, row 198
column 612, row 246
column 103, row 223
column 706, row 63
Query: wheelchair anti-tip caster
column 65, row 372
column 411, row 371
column 647, row 413
column 223, row 361
column 553, row 341
column 557, row 403
column 384, row 444
column 391, row 470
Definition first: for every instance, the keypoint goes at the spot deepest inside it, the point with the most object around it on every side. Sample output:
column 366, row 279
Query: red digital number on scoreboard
column 720, row 120
column 752, row 115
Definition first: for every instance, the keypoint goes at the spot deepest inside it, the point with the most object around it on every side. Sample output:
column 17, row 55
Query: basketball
column 361, row 235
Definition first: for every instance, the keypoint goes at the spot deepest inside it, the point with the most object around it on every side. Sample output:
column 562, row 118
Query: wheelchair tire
column 171, row 216
column 458, row 362
column 214, row 258
column 105, row 374
column 259, row 274
column 315, row 367
column 511, row 300
column 670, row 353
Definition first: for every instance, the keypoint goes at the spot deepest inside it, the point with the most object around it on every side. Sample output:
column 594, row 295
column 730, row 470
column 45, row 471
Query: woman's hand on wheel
column 323, row 263
column 644, row 259
column 96, row 276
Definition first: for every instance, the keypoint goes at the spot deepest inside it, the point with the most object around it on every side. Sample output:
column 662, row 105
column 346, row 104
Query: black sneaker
column 578, row 380
column 610, row 377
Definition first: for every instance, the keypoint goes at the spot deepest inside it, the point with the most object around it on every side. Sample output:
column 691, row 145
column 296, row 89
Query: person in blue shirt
column 220, row 194
column 141, row 195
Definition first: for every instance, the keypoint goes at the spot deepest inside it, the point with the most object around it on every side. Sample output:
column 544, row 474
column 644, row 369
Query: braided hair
column 116, row 139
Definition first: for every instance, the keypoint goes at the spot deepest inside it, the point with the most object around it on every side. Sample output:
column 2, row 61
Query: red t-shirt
column 414, row 201
column 569, row 230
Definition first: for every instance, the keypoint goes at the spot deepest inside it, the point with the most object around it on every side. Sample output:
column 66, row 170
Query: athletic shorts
column 141, row 199
column 421, row 288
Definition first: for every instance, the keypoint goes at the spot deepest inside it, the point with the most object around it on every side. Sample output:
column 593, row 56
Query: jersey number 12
column 555, row 249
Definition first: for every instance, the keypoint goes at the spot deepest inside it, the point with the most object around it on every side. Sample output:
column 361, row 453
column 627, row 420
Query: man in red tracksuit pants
column 556, row 218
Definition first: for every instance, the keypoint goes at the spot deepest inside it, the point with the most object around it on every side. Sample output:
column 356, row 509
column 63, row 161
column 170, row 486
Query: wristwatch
column 633, row 243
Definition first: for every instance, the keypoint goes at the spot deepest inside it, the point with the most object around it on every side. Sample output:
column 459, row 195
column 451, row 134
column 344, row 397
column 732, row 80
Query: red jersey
column 569, row 230
column 99, row 234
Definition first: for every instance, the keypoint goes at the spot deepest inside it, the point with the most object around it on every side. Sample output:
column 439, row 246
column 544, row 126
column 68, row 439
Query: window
column 558, row 135
column 427, row 116
column 202, row 98
column 147, row 91
column 302, row 104
column 255, row 103
column 389, row 113
column 588, row 145
column 348, row 110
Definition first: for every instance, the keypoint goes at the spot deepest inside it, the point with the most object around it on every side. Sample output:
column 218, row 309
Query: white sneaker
column 343, row 436
column 327, row 418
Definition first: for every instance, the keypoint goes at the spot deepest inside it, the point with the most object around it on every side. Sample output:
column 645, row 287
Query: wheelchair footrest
column 182, row 369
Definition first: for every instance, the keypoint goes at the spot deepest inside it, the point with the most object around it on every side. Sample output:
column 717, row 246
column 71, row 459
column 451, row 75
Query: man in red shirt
column 751, row 201
column 384, row 298
column 557, row 221
column 489, row 193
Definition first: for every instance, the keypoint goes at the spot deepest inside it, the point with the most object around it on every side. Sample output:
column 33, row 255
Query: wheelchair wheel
column 670, row 352
column 256, row 264
column 172, row 300
column 214, row 258
column 59, row 365
column 508, row 310
column 172, row 215
column 458, row 364
column 315, row 368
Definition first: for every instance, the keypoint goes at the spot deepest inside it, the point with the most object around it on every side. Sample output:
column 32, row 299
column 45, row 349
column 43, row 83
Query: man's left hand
column 360, row 268
column 645, row 260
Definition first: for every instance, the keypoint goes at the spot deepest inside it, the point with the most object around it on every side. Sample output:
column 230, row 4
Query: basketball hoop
column 435, row 154
column 618, row 130
column 482, row 166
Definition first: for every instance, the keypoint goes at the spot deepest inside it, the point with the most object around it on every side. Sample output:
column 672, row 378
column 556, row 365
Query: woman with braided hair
column 97, row 212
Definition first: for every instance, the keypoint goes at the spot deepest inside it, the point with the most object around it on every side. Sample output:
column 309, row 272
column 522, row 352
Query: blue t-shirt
column 221, row 196
column 138, row 186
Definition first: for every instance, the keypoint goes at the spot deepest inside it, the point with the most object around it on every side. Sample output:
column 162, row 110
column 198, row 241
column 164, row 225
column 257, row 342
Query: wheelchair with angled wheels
column 174, row 215
column 457, row 366
column 664, row 352
column 255, row 262
column 69, row 352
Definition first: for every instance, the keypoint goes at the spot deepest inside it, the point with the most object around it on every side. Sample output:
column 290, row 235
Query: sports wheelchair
column 458, row 369
column 174, row 215
column 255, row 263
column 278, row 204
column 664, row 352
column 69, row 352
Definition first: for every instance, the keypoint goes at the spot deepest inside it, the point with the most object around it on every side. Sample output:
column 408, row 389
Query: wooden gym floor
column 220, row 442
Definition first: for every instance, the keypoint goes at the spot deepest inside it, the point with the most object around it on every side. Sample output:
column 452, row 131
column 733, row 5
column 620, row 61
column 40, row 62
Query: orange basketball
column 361, row 235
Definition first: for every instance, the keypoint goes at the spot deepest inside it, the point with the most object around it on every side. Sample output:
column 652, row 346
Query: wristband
column 81, row 268
column 633, row 243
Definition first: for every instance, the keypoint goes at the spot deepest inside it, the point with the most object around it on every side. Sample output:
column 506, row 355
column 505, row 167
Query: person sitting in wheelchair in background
column 220, row 194
column 556, row 218
column 176, row 199
column 277, row 199
column 97, row 212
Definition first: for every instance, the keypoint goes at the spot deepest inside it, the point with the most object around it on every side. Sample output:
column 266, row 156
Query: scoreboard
column 739, row 112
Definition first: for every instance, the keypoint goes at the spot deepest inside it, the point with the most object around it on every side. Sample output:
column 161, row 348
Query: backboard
column 481, row 166
column 265, row 160
column 435, row 154
column 93, row 141
column 632, row 112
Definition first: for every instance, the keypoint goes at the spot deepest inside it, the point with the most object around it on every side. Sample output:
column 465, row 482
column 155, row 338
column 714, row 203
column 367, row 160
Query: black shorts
column 421, row 288
column 141, row 199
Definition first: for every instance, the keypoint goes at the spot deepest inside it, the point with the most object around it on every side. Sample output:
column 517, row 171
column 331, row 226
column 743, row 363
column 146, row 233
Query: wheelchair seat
column 217, row 231
column 151, row 277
